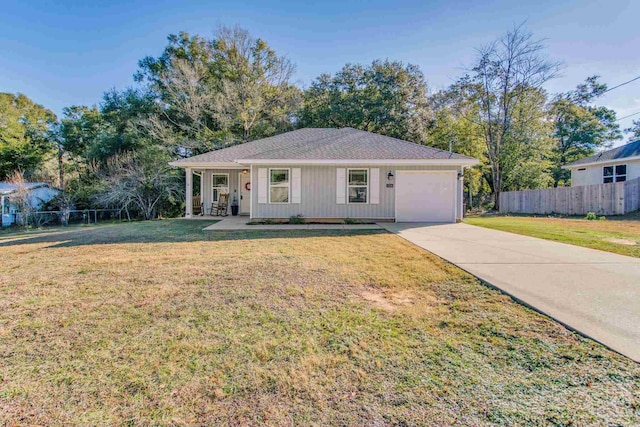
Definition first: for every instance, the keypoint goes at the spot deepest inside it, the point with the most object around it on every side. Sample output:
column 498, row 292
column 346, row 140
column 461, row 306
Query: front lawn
column 161, row 323
column 617, row 235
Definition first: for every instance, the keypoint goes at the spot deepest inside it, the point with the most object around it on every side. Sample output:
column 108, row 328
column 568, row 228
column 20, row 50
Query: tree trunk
column 497, row 186
column 61, row 168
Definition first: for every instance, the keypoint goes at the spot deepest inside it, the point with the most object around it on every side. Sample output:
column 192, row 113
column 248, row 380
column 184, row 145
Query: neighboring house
column 39, row 194
column 616, row 165
column 332, row 174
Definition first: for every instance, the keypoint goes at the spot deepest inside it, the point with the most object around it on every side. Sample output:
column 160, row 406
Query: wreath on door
column 247, row 186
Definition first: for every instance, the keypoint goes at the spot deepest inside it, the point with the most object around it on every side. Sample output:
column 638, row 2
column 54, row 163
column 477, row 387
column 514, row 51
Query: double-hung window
column 220, row 185
column 616, row 173
column 358, row 185
column 279, row 185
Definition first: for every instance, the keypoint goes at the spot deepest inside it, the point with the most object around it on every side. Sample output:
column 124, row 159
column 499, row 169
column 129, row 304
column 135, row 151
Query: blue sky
column 64, row 52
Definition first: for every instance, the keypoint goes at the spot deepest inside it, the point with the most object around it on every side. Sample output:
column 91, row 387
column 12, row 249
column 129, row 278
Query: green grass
column 161, row 323
column 621, row 236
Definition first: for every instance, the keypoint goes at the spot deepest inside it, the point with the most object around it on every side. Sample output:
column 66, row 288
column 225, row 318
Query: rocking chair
column 220, row 208
column 197, row 205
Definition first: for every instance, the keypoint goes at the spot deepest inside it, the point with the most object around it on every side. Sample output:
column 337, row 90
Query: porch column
column 461, row 194
column 188, row 193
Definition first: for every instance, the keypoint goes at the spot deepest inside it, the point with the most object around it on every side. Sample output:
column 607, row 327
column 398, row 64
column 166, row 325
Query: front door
column 245, row 193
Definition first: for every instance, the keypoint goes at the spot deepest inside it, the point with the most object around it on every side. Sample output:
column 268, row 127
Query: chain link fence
column 67, row 217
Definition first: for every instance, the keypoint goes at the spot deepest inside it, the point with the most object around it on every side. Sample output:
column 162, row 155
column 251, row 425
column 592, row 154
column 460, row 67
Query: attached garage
column 426, row 196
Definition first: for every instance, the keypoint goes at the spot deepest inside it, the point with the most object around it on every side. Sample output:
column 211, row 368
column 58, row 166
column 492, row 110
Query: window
column 279, row 186
column 220, row 185
column 358, row 185
column 616, row 173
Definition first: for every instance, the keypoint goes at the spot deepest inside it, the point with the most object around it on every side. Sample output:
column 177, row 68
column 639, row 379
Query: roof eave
column 599, row 162
column 207, row 165
column 456, row 162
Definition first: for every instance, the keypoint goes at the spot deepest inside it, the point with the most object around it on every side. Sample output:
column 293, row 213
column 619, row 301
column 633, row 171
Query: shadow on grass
column 165, row 231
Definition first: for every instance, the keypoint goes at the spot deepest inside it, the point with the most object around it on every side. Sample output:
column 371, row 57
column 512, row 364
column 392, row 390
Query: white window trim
column 288, row 202
column 614, row 176
column 213, row 187
column 349, row 186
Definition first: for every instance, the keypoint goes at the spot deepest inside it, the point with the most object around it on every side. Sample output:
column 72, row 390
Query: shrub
column 591, row 216
column 602, row 218
column 350, row 221
column 296, row 219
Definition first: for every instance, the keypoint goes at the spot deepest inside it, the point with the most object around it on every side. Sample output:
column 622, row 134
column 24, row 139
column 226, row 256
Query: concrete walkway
column 239, row 223
column 593, row 292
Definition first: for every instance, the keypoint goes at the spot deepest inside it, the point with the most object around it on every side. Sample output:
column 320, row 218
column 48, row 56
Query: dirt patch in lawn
column 390, row 301
column 619, row 241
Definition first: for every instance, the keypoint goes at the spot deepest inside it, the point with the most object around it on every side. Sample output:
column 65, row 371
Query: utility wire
column 621, row 84
column 630, row 115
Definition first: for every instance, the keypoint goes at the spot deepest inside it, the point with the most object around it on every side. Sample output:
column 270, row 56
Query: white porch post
column 202, row 188
column 461, row 194
column 188, row 193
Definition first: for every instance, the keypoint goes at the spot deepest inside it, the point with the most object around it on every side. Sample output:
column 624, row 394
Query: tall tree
column 453, row 125
column 579, row 127
column 506, row 81
column 634, row 130
column 25, row 134
column 385, row 97
column 212, row 93
column 256, row 97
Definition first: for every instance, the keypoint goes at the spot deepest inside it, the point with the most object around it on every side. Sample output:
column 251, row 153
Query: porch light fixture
column 245, row 171
column 390, row 176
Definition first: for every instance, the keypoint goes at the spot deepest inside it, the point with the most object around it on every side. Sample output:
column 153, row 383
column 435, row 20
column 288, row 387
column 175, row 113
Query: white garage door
column 426, row 196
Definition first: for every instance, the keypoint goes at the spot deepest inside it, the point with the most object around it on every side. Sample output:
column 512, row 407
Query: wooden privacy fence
column 604, row 199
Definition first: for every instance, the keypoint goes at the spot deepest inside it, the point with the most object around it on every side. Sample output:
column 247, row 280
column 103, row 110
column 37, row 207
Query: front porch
column 205, row 190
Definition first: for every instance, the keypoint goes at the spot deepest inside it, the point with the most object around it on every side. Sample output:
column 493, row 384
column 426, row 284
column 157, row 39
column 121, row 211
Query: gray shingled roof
column 325, row 144
column 9, row 187
column 630, row 149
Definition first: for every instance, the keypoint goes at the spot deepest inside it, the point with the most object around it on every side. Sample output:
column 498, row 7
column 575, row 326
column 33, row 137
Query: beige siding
column 592, row 175
column 318, row 185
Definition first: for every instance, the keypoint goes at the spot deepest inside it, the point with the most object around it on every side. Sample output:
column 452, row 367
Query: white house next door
column 426, row 196
column 245, row 193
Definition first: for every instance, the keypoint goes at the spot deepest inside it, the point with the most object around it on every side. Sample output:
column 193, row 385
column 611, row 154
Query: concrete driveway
column 594, row 292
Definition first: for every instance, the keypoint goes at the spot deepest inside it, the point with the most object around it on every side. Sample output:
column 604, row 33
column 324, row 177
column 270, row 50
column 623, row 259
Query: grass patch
column 618, row 236
column 160, row 323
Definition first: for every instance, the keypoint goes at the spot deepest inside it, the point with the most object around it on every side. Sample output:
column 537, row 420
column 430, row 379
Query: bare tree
column 508, row 72
column 134, row 181
column 254, row 81
column 22, row 197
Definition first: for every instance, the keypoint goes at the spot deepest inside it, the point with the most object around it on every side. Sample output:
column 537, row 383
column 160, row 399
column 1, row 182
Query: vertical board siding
column 207, row 193
column 341, row 186
column 604, row 199
column 296, row 189
column 319, row 195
